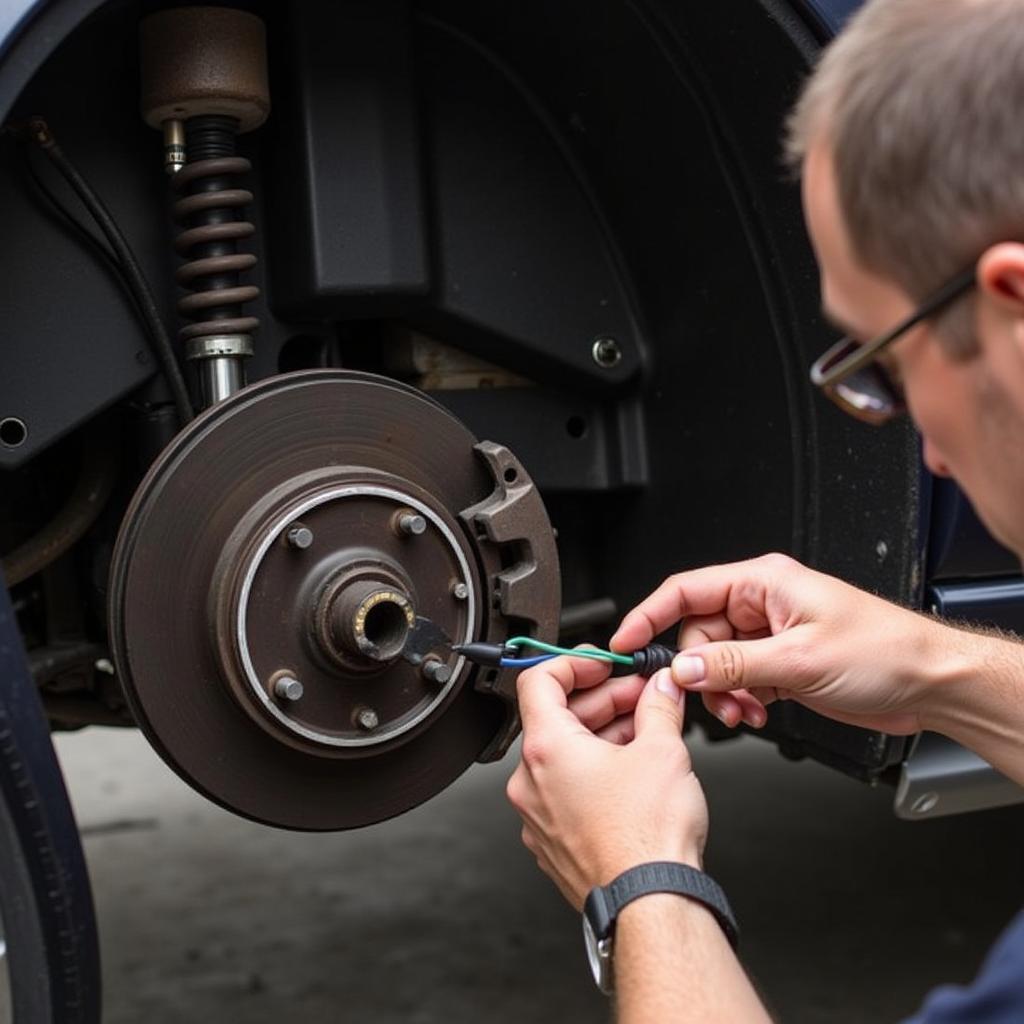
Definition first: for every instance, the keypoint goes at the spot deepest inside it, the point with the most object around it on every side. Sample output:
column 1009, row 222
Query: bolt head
column 460, row 591
column 925, row 804
column 367, row 719
column 300, row 537
column 606, row 352
column 288, row 689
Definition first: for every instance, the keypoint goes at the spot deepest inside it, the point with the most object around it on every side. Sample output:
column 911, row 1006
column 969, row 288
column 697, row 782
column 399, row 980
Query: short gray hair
column 921, row 103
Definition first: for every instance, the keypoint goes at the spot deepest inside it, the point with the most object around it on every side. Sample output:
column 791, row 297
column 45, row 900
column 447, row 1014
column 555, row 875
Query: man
column 911, row 148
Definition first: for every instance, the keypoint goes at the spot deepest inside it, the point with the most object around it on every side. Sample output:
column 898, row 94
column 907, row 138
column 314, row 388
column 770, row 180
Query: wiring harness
column 511, row 654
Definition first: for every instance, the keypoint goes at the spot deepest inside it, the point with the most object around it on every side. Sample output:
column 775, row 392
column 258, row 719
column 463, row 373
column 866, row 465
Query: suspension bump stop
column 203, row 60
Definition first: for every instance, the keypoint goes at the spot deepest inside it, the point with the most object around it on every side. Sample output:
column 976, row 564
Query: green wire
column 597, row 655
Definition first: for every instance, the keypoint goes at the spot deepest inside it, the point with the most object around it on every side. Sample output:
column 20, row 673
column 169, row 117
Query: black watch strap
column 603, row 903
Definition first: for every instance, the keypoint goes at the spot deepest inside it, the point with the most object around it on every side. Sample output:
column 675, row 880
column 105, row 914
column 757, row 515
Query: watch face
column 599, row 954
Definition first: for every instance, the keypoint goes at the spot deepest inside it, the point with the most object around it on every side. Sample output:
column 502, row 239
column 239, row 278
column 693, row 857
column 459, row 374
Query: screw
column 607, row 353
column 366, row 718
column 925, row 803
column 288, row 688
column 300, row 536
column 460, row 591
column 411, row 524
column 436, row 671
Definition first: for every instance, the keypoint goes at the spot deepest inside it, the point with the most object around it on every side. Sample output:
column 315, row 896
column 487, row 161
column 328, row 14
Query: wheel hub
column 337, row 614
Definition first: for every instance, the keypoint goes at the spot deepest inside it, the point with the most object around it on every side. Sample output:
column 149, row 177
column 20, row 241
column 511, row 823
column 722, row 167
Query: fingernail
column 664, row 683
column 688, row 669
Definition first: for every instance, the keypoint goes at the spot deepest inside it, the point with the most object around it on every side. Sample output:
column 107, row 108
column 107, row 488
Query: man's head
column 912, row 152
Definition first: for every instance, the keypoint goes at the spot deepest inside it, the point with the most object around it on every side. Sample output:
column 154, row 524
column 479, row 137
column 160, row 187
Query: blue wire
column 525, row 662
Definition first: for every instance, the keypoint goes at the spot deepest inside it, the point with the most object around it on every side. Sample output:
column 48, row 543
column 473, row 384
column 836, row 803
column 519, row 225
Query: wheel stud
column 287, row 688
column 436, row 671
column 300, row 537
column 366, row 718
column 410, row 524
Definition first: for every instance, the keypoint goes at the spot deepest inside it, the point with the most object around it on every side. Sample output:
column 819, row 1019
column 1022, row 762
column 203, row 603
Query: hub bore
column 372, row 620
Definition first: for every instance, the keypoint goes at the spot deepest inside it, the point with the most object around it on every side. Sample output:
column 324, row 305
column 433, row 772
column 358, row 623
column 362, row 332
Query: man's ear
column 1001, row 287
column 1001, row 277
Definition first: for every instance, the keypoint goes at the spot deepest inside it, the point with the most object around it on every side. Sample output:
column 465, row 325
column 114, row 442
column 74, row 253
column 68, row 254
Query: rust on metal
column 212, row 605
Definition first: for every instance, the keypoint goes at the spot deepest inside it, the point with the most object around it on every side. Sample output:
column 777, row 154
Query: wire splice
column 644, row 662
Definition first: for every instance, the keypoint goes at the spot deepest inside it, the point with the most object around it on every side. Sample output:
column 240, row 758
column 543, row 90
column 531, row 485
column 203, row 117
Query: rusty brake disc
column 288, row 581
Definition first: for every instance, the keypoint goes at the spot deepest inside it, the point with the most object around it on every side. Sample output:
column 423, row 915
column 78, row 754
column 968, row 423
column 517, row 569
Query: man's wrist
column 612, row 867
column 975, row 695
column 960, row 666
column 663, row 905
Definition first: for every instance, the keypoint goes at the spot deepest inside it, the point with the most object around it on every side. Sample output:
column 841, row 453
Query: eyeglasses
column 851, row 376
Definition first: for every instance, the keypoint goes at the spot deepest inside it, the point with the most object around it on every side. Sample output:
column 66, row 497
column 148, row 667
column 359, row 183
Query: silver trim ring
column 241, row 640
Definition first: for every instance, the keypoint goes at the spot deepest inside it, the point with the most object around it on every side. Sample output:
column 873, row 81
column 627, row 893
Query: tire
column 52, row 962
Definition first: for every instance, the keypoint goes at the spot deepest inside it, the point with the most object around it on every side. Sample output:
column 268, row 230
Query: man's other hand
column 771, row 629
column 591, row 805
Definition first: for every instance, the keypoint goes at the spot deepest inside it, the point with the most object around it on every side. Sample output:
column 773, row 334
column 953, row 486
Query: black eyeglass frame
column 828, row 377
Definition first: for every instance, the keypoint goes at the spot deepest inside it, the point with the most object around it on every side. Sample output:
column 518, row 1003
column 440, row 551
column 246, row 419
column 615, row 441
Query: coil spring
column 211, row 232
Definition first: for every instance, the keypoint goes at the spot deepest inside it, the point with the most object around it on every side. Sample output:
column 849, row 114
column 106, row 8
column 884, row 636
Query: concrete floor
column 848, row 915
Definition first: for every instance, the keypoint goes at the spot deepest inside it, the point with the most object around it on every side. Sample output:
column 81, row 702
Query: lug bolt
column 606, row 353
column 288, row 688
column 460, row 591
column 411, row 524
column 366, row 718
column 300, row 537
column 436, row 671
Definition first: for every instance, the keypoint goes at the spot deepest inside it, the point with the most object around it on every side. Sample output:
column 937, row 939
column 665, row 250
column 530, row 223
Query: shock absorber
column 204, row 81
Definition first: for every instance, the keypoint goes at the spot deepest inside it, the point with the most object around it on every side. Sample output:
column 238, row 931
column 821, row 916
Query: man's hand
column 770, row 628
column 593, row 808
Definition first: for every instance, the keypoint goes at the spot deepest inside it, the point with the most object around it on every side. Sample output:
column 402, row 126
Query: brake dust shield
column 286, row 586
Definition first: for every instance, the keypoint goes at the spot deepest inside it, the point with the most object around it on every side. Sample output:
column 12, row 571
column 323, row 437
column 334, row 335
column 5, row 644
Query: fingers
column 702, row 629
column 739, row 590
column 743, row 665
column 620, row 732
column 589, row 677
column 659, row 712
column 732, row 709
column 543, row 690
column 598, row 706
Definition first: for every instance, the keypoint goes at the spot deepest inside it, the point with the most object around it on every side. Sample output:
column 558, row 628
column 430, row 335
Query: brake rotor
column 287, row 584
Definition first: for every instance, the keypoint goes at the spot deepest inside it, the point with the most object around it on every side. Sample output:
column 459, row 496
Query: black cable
column 57, row 208
column 133, row 275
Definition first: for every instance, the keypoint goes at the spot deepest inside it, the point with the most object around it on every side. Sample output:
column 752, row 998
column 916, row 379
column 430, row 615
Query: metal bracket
column 940, row 777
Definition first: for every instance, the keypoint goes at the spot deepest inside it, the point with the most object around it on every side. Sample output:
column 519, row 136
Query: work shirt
column 996, row 996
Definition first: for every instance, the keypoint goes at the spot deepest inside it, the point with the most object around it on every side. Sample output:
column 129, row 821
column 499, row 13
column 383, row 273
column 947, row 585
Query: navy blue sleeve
column 996, row 996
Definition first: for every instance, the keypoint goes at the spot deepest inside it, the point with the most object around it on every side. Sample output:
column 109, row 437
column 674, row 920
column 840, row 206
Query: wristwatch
column 604, row 903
